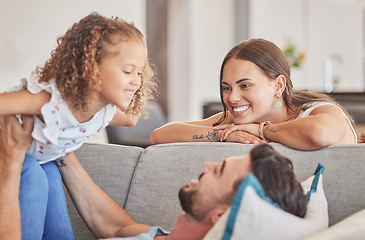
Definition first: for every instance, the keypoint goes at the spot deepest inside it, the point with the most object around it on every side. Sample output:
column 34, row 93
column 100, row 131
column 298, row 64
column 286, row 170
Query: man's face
column 200, row 197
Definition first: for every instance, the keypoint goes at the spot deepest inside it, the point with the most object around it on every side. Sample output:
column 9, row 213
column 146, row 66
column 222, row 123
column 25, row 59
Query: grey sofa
column 146, row 181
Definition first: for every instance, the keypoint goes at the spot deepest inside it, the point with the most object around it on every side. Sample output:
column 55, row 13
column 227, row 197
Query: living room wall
column 328, row 31
column 29, row 29
column 200, row 33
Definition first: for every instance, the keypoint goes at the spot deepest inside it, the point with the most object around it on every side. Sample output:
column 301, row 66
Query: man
column 203, row 200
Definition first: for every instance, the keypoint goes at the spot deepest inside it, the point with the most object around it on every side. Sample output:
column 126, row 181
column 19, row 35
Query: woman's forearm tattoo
column 272, row 130
column 212, row 136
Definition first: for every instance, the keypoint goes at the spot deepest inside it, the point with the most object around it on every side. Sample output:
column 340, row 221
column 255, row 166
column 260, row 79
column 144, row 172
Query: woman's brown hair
column 74, row 62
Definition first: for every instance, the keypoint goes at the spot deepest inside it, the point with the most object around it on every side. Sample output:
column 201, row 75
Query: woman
column 260, row 105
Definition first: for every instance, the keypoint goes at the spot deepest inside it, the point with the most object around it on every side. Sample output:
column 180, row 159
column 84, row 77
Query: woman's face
column 247, row 92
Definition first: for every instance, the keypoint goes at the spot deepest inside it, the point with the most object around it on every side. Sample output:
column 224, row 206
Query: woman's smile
column 240, row 109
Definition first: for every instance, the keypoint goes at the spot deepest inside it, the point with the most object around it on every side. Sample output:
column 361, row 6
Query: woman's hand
column 243, row 137
column 247, row 133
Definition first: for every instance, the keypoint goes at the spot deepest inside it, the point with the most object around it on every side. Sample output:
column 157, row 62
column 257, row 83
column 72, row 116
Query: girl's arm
column 105, row 217
column 22, row 102
column 325, row 126
column 197, row 131
column 124, row 120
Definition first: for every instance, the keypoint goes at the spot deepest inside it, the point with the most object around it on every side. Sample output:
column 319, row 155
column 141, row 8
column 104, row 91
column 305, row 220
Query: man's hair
column 276, row 175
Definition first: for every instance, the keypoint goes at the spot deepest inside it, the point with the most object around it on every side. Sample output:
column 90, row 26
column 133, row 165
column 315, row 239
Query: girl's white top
column 60, row 132
column 307, row 108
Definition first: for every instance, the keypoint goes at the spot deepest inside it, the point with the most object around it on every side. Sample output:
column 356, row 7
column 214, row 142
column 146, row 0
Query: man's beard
column 188, row 200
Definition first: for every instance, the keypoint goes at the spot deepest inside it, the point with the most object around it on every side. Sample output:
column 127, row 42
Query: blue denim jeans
column 42, row 200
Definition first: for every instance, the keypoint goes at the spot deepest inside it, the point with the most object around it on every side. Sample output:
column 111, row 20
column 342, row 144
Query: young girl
column 98, row 75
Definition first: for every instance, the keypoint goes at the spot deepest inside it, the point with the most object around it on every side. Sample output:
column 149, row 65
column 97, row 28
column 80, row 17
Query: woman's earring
column 277, row 103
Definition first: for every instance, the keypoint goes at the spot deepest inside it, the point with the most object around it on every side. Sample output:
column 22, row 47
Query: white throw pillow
column 253, row 216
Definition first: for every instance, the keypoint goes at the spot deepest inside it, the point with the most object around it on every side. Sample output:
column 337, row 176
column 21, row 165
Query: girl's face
column 120, row 74
column 247, row 92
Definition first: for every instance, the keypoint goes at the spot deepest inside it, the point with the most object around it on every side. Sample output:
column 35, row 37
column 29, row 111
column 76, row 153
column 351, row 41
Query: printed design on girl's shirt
column 54, row 111
column 83, row 129
column 73, row 141
column 40, row 149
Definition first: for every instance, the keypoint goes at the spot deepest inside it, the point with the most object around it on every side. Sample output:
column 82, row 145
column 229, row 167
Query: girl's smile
column 129, row 94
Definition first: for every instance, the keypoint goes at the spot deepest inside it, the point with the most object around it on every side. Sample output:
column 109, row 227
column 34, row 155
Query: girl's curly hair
column 74, row 63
